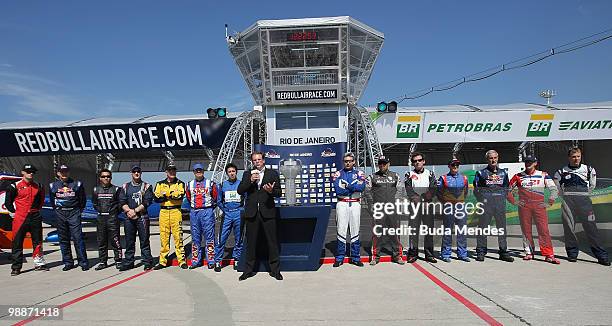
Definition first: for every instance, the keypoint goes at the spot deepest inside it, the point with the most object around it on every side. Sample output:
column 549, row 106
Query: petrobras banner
column 498, row 126
column 316, row 165
column 170, row 135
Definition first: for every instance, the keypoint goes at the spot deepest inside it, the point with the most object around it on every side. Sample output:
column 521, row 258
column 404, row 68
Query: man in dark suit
column 260, row 186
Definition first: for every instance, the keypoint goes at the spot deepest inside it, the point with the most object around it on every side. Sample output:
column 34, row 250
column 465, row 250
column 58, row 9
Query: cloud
column 42, row 99
column 6, row 65
column 114, row 107
column 37, row 103
column 21, row 78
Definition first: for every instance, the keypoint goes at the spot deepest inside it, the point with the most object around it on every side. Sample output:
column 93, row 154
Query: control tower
column 306, row 73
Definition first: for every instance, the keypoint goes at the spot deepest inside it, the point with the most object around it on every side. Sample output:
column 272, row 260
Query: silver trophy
column 290, row 169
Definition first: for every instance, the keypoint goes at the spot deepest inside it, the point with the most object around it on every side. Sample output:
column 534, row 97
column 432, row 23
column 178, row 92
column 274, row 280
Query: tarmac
column 457, row 293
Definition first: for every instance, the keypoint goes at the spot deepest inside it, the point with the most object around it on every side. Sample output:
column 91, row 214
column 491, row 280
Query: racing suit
column 452, row 190
column 202, row 197
column 68, row 199
column 575, row 186
column 133, row 195
column 491, row 189
column 170, row 196
column 105, row 201
column 381, row 187
column 230, row 203
column 348, row 184
column 532, row 206
column 420, row 186
column 26, row 199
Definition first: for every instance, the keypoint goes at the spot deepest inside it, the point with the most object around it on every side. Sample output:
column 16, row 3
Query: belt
column 201, row 208
column 67, row 208
column 350, row 200
column 231, row 209
column 170, row 207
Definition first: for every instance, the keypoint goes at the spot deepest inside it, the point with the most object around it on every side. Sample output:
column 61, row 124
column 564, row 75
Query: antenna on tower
column 228, row 38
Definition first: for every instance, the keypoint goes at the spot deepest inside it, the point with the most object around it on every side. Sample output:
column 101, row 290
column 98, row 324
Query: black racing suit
column 381, row 189
column 575, row 186
column 106, row 202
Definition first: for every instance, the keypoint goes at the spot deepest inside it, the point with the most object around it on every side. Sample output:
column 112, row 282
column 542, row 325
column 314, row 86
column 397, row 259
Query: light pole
column 548, row 95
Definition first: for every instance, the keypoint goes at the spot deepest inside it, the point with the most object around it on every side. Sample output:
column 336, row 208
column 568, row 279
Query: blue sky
column 62, row 60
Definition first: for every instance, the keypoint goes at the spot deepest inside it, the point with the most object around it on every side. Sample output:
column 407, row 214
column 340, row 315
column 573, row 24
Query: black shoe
column 183, row 266
column 146, row 267
column 15, row 272
column 411, row 259
column 42, row 268
column 356, row 263
column 235, row 266
column 67, row 268
column 124, row 268
column 572, row 259
column 158, row 267
column 398, row 260
column 245, row 275
column 338, row 263
column 211, row 266
column 480, row 257
column 101, row 267
column 117, row 265
column 84, row 268
column 278, row 276
column 194, row 266
column 506, row 258
column 431, row 259
column 217, row 267
column 604, row 262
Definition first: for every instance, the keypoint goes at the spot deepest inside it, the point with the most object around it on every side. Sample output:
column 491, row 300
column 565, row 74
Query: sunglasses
column 30, row 172
column 105, row 177
column 455, row 165
column 133, row 172
column 419, row 160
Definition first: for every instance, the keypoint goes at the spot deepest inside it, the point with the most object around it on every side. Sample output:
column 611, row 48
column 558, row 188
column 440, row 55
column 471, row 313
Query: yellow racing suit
column 169, row 194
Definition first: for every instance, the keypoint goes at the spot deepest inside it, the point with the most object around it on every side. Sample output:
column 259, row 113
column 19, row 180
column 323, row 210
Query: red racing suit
column 532, row 206
column 26, row 199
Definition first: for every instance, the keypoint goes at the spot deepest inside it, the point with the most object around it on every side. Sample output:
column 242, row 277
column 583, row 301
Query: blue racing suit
column 68, row 200
column 348, row 184
column 230, row 202
column 452, row 190
column 202, row 197
column 491, row 188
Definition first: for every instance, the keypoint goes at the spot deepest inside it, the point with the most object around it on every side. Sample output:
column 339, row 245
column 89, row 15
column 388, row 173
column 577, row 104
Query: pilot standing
column 25, row 198
column 68, row 199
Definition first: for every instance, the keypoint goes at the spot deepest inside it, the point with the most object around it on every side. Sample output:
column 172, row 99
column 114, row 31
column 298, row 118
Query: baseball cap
column 454, row 161
column 135, row 167
column 383, row 159
column 530, row 158
column 198, row 166
column 29, row 168
column 63, row 167
column 170, row 166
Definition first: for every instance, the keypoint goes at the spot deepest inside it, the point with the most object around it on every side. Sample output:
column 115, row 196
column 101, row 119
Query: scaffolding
column 248, row 127
column 362, row 138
